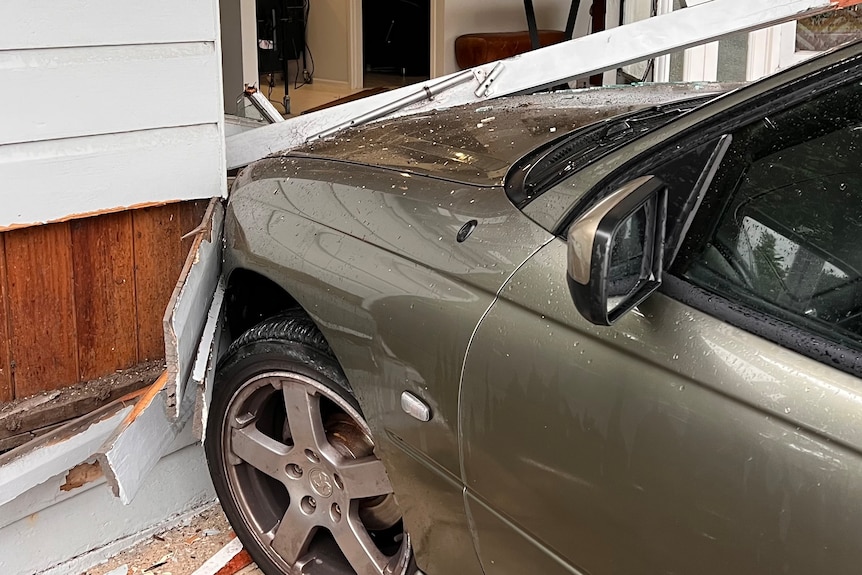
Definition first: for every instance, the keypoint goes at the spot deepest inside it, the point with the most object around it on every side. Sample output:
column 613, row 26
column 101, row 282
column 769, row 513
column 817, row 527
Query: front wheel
column 292, row 459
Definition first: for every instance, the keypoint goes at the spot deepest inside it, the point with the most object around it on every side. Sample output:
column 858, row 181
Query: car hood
column 477, row 144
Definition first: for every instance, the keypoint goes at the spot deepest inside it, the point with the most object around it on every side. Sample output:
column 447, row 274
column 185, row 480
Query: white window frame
column 769, row 50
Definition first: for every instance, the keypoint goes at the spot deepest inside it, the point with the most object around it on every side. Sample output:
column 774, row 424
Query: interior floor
column 304, row 96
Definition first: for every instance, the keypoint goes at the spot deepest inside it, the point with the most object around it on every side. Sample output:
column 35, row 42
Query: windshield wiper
column 586, row 145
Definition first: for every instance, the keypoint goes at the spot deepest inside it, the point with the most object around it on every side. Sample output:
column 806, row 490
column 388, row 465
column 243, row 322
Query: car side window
column 780, row 230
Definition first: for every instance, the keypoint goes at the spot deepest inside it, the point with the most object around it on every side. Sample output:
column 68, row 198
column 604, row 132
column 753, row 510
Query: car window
column 781, row 228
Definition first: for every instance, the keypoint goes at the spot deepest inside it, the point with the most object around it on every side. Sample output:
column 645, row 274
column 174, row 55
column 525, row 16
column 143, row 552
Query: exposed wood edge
column 194, row 289
column 146, row 399
column 47, row 410
column 78, row 216
column 20, row 439
column 203, row 372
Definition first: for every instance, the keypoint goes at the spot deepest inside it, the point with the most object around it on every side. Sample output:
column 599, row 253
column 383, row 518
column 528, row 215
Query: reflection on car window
column 785, row 220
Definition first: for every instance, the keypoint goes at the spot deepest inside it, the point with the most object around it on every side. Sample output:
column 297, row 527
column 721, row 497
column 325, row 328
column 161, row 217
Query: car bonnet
column 477, row 144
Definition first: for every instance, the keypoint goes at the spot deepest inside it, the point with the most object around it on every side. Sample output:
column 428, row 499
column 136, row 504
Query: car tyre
column 292, row 458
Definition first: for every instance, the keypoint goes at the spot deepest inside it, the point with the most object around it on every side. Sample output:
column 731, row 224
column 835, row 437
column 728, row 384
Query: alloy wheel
column 300, row 465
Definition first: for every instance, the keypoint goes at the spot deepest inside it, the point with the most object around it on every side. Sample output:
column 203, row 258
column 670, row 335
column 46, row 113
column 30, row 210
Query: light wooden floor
column 321, row 92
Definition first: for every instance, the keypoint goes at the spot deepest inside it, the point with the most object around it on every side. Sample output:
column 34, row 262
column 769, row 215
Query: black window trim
column 769, row 327
column 794, row 92
column 761, row 324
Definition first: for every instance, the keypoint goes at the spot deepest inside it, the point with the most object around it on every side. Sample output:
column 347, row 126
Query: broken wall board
column 209, row 352
column 99, row 305
column 137, row 445
column 178, row 487
column 24, row 468
column 145, row 435
column 186, row 314
column 69, row 148
column 543, row 68
column 24, row 419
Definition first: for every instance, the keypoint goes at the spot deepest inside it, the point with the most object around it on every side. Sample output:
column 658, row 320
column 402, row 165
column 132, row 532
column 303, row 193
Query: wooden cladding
column 82, row 299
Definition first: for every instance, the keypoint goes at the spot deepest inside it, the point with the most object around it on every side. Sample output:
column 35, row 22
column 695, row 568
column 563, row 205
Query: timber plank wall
column 81, row 299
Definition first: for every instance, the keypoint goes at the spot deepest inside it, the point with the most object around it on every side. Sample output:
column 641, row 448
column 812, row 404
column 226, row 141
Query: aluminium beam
column 701, row 22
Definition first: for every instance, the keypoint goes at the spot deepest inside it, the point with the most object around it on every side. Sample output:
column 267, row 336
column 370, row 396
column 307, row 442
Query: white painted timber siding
column 107, row 104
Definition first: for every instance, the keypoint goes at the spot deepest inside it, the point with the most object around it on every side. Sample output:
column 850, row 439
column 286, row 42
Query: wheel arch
column 251, row 297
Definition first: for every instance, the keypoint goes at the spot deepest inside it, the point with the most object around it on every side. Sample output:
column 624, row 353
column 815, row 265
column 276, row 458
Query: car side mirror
column 616, row 250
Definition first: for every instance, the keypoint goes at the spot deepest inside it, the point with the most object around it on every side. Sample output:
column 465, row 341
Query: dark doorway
column 280, row 34
column 396, row 37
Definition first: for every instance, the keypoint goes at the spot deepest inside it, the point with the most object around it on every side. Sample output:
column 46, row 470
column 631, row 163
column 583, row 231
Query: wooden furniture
column 475, row 49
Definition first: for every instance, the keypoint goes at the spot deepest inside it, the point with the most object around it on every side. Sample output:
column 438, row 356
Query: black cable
column 305, row 51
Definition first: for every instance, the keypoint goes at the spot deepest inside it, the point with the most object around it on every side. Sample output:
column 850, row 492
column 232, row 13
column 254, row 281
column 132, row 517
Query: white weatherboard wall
column 107, row 104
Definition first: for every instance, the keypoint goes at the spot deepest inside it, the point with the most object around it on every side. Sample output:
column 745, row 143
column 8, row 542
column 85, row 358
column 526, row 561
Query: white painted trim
column 248, row 33
column 223, row 556
column 764, row 52
column 356, row 71
column 437, row 44
column 133, row 450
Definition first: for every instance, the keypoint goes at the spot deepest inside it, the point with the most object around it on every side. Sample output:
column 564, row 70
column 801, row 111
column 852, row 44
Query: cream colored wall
column 328, row 39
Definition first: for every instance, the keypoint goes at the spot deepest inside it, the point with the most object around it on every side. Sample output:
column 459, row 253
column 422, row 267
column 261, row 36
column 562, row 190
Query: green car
column 541, row 336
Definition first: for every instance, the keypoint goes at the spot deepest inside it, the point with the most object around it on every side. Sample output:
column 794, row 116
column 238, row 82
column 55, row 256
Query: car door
column 717, row 427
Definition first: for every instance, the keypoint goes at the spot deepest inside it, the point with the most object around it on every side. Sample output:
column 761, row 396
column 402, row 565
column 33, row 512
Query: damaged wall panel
column 146, row 434
column 186, row 315
column 82, row 299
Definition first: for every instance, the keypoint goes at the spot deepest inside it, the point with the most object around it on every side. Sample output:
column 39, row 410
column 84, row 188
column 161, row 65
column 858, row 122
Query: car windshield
column 554, row 162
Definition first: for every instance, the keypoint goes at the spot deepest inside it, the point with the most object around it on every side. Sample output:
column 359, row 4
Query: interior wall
column 328, row 39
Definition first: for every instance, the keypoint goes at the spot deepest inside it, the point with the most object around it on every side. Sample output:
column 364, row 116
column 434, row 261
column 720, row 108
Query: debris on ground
column 183, row 550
